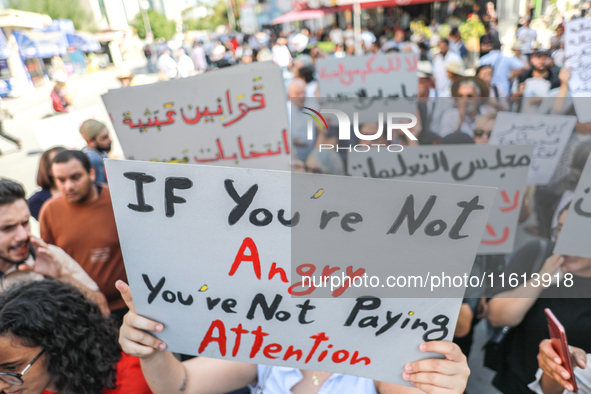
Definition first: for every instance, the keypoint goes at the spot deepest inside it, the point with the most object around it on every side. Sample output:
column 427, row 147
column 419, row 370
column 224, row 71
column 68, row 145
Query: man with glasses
column 470, row 93
column 24, row 257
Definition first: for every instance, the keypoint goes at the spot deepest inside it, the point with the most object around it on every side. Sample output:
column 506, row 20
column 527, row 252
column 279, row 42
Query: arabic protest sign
column 208, row 253
column 503, row 167
column 231, row 117
column 574, row 237
column 577, row 51
column 364, row 79
column 64, row 129
column 549, row 134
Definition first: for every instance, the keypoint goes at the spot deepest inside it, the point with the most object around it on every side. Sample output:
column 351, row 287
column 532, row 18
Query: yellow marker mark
column 168, row 105
column 204, row 288
column 222, row 117
column 239, row 97
column 257, row 79
column 316, row 195
column 411, row 313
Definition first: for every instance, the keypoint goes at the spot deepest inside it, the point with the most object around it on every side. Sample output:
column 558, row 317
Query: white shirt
column 442, row 82
column 527, row 35
column 280, row 380
column 281, row 55
column 336, row 36
column 582, row 376
column 451, row 119
column 167, row 65
column 185, row 67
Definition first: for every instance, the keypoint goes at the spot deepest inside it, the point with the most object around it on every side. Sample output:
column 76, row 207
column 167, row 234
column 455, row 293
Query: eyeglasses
column 480, row 133
column 465, row 95
column 15, row 379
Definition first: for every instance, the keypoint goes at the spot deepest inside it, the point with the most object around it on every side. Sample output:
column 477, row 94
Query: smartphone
column 560, row 344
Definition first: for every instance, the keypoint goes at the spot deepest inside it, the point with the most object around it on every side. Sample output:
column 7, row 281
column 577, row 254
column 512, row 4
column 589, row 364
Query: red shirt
column 130, row 379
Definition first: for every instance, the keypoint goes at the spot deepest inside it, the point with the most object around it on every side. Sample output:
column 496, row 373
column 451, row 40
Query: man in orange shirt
column 81, row 222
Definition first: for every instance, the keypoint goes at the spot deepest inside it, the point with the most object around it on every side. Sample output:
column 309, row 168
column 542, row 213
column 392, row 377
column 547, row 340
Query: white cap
column 424, row 69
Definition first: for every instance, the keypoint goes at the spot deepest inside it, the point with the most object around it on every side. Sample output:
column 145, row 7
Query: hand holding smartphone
column 560, row 344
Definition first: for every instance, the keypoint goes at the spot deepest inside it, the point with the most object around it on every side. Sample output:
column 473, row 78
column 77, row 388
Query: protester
column 45, row 181
column 27, row 258
column 185, row 66
column 440, row 62
column 536, row 82
column 60, row 95
column 298, row 120
column 522, row 309
column 82, row 223
column 469, row 92
column 53, row 340
column 552, row 376
column 198, row 56
column 484, row 126
column 98, row 146
column 149, row 58
column 527, row 36
column 166, row 65
column 163, row 371
column 504, row 69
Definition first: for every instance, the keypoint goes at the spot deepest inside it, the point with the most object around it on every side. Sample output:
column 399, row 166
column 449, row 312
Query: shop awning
column 83, row 41
column 308, row 13
column 384, row 3
column 5, row 51
column 38, row 44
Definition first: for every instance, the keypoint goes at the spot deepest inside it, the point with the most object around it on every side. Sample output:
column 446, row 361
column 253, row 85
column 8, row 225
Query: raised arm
column 510, row 307
column 167, row 375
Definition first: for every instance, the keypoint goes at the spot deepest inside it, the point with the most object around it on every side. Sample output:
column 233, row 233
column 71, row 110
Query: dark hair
column 44, row 177
column 454, row 31
column 306, row 73
column 67, row 155
column 445, row 40
column 80, row 343
column 577, row 164
column 480, row 68
column 10, row 191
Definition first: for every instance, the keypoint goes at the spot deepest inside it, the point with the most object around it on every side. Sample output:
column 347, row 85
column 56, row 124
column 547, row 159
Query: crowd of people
column 67, row 319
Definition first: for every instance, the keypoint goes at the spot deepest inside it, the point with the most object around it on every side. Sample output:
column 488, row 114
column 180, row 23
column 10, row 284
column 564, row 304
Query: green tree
column 57, row 9
column 210, row 22
column 161, row 27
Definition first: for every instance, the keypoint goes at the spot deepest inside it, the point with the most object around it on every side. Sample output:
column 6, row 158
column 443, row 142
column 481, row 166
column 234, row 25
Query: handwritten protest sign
column 549, row 133
column 574, row 237
column 208, row 252
column 577, row 52
column 503, row 167
column 232, row 117
column 358, row 84
column 64, row 130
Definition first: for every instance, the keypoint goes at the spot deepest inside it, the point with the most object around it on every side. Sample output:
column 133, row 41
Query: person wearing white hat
column 440, row 62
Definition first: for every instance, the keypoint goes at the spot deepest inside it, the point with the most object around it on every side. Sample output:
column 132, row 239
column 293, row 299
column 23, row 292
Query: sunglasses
column 480, row 133
column 312, row 170
column 16, row 379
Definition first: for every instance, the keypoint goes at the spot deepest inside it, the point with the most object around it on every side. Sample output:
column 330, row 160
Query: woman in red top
column 53, row 340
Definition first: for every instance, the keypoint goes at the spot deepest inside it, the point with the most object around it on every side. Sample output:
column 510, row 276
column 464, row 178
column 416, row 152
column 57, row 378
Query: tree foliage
column 210, row 22
column 161, row 27
column 57, row 9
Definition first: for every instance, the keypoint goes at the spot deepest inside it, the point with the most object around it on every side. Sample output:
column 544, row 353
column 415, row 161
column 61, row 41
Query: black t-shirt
column 522, row 342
